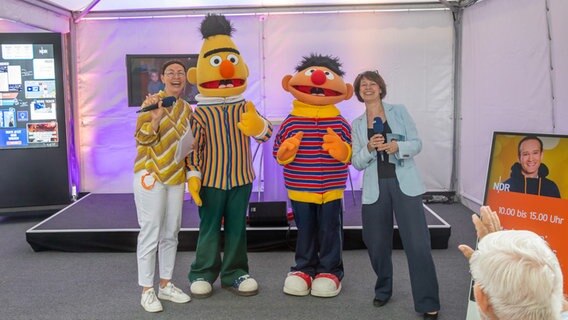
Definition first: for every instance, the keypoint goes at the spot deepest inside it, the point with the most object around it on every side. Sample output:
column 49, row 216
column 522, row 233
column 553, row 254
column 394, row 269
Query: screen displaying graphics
column 28, row 96
column 33, row 136
column 527, row 185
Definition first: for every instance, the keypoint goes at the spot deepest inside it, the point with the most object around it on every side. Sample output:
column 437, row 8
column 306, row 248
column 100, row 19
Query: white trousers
column 159, row 216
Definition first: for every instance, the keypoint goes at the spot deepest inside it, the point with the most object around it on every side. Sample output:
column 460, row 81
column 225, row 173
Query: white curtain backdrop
column 559, row 27
column 412, row 50
column 105, row 129
column 507, row 82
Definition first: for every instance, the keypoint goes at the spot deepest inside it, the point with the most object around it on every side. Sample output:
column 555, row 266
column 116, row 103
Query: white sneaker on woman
column 150, row 302
column 173, row 294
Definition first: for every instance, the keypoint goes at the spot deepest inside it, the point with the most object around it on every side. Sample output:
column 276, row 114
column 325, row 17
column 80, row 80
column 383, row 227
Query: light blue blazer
column 410, row 145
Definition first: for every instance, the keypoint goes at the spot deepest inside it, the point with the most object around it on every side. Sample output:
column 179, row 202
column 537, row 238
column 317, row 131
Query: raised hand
column 251, row 124
column 336, row 147
column 289, row 148
column 487, row 222
column 156, row 114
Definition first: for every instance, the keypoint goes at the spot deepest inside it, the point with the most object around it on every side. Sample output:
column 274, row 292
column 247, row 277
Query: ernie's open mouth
column 222, row 84
column 316, row 91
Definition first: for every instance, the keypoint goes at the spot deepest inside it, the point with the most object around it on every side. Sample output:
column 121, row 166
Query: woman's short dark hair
column 373, row 76
column 169, row 63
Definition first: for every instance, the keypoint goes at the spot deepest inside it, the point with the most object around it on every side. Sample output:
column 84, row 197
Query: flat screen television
column 29, row 116
column 33, row 142
column 143, row 75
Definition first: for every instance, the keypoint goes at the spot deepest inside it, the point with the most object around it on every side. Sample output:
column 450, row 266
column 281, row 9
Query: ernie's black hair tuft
column 314, row 59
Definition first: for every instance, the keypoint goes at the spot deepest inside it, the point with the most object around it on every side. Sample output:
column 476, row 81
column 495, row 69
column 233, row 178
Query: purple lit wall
column 413, row 50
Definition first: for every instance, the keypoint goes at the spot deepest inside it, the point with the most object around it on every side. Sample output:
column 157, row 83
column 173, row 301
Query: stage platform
column 107, row 222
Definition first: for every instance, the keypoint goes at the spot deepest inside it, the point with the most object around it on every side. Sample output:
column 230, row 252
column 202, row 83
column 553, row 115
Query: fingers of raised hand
column 480, row 227
column 466, row 251
column 299, row 135
column 249, row 107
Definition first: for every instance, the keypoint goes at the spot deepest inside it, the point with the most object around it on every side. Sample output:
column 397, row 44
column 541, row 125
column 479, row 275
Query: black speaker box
column 267, row 214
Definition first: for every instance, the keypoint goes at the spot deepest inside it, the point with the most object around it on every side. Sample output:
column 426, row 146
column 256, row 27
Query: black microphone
column 166, row 102
column 378, row 127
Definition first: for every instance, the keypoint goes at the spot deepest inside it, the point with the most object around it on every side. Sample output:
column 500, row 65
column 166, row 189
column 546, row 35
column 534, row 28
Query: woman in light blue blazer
column 385, row 141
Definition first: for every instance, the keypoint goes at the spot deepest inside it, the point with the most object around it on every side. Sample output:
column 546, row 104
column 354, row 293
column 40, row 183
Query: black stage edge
column 108, row 223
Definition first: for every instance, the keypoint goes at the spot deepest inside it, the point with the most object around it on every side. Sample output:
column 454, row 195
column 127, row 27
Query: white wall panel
column 506, row 83
column 105, row 122
column 559, row 46
column 412, row 51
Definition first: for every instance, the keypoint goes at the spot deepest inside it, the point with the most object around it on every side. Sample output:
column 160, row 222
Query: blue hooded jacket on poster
column 540, row 186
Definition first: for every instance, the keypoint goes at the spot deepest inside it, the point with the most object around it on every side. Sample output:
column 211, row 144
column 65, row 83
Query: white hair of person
column 520, row 275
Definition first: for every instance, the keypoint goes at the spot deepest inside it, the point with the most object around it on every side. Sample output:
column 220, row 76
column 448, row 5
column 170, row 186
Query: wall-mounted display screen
column 143, row 75
column 28, row 96
column 33, row 139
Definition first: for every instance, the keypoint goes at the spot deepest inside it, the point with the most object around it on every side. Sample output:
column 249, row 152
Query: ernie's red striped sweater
column 314, row 176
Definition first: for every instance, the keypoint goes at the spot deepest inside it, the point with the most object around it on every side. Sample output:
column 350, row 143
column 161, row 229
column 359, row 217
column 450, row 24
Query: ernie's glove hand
column 336, row 147
column 194, row 186
column 289, row 147
column 251, row 123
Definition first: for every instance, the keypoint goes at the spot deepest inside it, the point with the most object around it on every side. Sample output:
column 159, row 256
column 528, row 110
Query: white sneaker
column 150, row 302
column 326, row 285
column 201, row 288
column 244, row 286
column 297, row 283
column 173, row 294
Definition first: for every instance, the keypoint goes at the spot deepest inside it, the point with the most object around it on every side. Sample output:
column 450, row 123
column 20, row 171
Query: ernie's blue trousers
column 320, row 237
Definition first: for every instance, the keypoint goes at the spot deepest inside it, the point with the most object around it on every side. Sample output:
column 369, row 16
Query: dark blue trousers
column 413, row 229
column 320, row 237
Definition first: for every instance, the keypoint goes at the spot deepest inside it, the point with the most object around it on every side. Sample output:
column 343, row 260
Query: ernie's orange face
column 317, row 86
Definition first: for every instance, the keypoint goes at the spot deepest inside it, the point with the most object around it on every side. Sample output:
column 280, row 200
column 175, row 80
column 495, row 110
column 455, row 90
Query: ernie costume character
column 314, row 146
column 220, row 168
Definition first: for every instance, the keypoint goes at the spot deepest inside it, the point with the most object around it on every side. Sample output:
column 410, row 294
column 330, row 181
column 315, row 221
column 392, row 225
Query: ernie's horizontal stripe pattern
column 313, row 169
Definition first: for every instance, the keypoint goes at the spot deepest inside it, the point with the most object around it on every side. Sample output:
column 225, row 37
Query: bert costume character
column 220, row 169
column 314, row 146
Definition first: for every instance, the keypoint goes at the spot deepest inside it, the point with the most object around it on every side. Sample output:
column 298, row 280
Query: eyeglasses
column 174, row 74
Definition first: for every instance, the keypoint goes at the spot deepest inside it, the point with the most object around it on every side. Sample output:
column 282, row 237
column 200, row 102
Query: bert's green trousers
column 230, row 207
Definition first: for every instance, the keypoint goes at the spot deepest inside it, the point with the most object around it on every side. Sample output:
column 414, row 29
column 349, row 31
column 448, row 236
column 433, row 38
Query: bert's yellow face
column 220, row 70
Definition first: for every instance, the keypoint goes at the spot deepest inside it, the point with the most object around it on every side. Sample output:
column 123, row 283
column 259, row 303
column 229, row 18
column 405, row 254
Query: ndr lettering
column 500, row 186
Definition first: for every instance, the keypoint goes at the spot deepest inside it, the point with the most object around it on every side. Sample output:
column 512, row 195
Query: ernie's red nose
column 318, row 77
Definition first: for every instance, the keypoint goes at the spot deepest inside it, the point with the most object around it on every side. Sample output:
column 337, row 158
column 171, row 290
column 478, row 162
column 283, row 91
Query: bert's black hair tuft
column 318, row 60
column 215, row 24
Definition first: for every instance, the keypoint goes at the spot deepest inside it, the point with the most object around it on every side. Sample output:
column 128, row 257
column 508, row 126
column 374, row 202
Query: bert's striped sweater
column 222, row 158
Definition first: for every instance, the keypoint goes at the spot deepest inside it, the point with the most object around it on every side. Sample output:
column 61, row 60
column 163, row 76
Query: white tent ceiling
column 55, row 15
column 129, row 5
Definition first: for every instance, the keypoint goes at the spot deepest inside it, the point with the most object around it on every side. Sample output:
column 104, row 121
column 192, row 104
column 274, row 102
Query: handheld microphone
column 378, row 127
column 166, row 102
